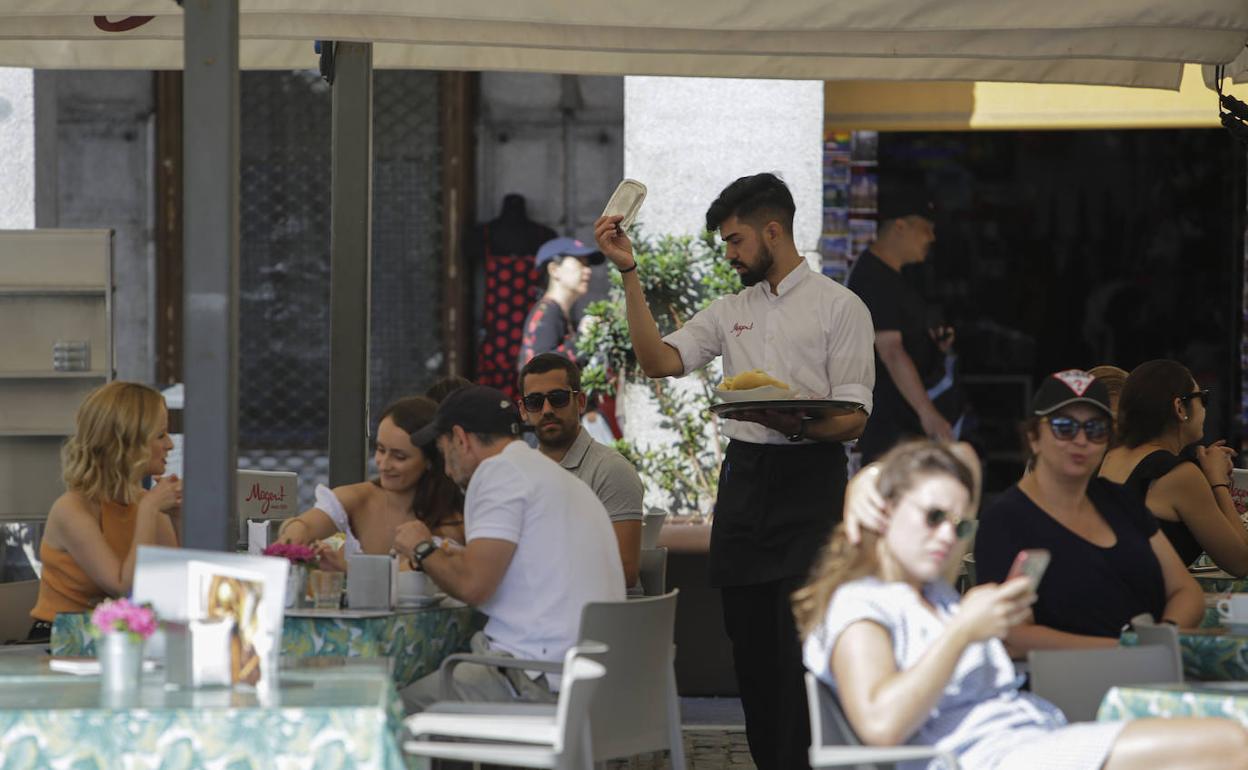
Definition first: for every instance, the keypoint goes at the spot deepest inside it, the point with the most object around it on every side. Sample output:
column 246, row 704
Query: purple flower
column 123, row 616
column 295, row 553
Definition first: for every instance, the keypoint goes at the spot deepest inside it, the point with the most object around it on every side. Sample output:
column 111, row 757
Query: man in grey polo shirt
column 552, row 402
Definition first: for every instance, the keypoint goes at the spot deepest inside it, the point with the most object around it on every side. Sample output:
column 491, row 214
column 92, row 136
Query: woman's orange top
column 63, row 586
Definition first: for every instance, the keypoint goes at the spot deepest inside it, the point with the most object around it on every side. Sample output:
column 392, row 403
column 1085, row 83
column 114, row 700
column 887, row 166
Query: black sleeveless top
column 1152, row 467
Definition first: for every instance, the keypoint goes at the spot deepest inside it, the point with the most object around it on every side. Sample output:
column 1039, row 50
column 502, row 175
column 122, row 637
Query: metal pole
column 210, row 344
column 350, row 249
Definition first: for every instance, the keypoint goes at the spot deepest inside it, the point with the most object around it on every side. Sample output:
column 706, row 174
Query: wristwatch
column 800, row 433
column 420, row 553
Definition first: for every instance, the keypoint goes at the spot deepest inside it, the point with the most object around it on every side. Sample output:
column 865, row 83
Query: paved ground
column 714, row 738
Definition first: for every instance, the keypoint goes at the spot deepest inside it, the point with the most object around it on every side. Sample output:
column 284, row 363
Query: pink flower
column 295, row 553
column 123, row 616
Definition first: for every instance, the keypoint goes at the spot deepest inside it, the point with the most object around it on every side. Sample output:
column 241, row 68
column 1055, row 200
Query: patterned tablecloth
column 1209, row 654
column 343, row 715
column 416, row 641
column 1220, row 582
column 1193, row 699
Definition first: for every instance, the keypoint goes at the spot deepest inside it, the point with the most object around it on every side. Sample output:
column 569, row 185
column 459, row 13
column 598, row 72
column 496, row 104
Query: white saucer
column 416, row 602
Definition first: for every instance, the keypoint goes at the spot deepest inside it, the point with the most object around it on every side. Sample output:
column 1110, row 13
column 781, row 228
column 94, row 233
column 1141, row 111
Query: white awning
column 1116, row 42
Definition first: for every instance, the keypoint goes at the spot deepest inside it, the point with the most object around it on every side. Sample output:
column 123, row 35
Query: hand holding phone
column 1031, row 563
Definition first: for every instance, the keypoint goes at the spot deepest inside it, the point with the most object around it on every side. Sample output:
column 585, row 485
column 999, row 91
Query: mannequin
column 502, row 252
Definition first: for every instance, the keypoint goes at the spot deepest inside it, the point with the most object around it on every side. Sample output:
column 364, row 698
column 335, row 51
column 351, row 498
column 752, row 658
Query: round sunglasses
column 1066, row 428
column 963, row 528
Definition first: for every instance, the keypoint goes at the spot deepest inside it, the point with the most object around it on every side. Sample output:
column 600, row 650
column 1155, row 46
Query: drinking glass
column 326, row 589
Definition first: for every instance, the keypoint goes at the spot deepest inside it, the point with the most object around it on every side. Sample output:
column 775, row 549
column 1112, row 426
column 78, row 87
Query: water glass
column 326, row 589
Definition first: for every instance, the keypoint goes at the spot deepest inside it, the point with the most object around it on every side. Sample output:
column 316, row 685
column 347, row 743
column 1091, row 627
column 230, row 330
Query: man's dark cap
column 903, row 198
column 476, row 409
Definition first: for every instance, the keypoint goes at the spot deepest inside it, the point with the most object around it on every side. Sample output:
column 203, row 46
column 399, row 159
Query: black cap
column 476, row 409
column 1073, row 386
column 904, row 197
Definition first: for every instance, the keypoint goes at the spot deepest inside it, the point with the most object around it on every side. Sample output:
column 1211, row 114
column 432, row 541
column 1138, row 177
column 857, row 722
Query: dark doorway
column 1076, row 248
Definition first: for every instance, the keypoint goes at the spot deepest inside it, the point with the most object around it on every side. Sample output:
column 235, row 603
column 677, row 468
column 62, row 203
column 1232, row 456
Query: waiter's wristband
column 1215, row 486
column 628, row 269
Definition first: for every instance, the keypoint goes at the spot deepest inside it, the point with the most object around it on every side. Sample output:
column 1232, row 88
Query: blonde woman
column 912, row 662
column 94, row 530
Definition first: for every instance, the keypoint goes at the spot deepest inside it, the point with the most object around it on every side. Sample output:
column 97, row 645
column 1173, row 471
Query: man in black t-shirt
column 910, row 354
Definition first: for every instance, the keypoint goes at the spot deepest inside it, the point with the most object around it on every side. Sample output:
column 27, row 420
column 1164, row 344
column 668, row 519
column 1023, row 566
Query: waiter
column 782, row 482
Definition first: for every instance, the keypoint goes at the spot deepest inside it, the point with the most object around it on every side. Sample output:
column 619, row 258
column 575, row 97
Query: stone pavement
column 705, row 749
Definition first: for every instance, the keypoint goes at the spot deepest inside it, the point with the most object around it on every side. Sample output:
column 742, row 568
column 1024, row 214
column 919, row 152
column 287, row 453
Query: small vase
column 296, row 587
column 121, row 662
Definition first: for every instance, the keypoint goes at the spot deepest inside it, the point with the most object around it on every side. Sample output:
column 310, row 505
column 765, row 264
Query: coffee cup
column 1233, row 609
column 413, row 586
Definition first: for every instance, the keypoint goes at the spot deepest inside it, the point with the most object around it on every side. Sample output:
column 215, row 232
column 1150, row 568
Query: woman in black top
column 1161, row 411
column 1109, row 562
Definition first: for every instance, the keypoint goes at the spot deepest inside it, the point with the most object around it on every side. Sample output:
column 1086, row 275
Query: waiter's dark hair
column 549, row 362
column 756, row 200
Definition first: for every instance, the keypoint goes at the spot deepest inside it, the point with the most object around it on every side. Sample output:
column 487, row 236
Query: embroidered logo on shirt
column 738, row 328
column 1075, row 379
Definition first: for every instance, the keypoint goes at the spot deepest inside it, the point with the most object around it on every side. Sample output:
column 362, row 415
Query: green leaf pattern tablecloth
column 416, row 641
column 1139, row 702
column 348, row 720
column 1221, row 583
column 1211, row 657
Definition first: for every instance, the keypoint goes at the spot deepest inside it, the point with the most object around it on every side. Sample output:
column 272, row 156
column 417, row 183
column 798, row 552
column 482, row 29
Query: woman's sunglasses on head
column 1066, row 428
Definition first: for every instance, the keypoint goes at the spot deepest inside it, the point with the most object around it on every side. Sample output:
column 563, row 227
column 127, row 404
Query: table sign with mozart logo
column 1239, row 492
column 264, row 496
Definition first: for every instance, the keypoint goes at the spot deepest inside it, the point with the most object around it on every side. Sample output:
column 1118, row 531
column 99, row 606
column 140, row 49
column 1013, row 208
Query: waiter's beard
column 758, row 272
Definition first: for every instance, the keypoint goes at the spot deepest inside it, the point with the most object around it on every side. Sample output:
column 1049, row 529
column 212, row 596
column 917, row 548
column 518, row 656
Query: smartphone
column 1032, row 563
column 625, row 202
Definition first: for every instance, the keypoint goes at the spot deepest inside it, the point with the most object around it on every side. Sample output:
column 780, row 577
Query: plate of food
column 754, row 385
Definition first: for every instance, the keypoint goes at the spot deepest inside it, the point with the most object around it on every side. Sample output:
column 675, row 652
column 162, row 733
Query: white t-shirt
column 813, row 333
column 566, row 554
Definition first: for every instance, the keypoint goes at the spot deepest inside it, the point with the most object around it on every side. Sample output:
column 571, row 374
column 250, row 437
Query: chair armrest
column 447, row 678
column 844, row 756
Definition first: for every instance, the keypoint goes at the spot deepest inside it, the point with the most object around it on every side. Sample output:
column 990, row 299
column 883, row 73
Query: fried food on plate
column 755, row 378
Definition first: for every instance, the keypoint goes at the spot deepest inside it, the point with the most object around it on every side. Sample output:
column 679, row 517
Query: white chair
column 560, row 741
column 1076, row 680
column 1164, row 635
column 651, row 526
column 640, row 710
column 833, row 742
column 653, row 571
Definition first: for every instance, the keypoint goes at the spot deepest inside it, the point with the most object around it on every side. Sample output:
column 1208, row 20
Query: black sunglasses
column 963, row 528
column 1202, row 394
column 557, row 398
column 1066, row 428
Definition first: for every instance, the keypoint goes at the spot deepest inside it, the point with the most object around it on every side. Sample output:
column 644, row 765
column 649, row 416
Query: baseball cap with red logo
column 1073, row 386
column 568, row 247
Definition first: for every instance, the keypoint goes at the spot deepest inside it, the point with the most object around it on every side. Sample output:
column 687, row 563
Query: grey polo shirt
column 612, row 477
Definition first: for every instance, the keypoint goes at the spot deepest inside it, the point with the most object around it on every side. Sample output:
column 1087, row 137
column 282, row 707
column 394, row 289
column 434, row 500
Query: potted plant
column 302, row 558
column 680, row 276
column 120, row 628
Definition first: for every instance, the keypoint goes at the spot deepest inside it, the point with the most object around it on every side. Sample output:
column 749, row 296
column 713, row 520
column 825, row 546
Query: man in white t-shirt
column 540, row 547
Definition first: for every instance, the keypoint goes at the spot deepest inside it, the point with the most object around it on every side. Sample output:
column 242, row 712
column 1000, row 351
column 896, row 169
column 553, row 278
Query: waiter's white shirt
column 813, row 333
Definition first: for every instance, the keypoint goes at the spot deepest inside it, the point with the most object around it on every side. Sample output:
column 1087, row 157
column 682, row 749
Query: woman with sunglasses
column 1109, row 561
column 911, row 662
column 1162, row 410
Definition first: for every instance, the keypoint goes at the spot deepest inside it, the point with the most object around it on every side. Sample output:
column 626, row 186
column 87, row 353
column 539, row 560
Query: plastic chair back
column 581, row 679
column 653, row 571
column 639, row 711
column 1076, row 680
column 651, row 526
column 1163, row 635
